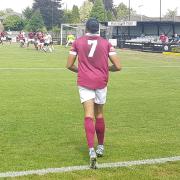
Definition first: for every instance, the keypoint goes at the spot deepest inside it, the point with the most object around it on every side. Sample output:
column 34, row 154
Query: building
column 145, row 26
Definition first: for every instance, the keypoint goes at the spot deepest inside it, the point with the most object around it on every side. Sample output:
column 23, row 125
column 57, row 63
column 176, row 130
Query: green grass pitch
column 41, row 118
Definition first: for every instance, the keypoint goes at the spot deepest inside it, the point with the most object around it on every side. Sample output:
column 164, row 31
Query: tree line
column 49, row 14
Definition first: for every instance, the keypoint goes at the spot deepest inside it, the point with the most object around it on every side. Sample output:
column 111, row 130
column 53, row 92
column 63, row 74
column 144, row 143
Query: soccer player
column 1, row 37
column 93, row 70
column 48, row 45
column 30, row 38
column 21, row 39
column 40, row 40
column 70, row 39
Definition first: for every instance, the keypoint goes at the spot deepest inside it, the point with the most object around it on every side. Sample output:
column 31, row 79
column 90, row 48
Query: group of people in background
column 41, row 41
column 5, row 36
column 165, row 39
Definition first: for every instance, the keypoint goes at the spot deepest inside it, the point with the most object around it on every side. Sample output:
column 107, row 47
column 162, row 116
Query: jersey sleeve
column 73, row 50
column 112, row 50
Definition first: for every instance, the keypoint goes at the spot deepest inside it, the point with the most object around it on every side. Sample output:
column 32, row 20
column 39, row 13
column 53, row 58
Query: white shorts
column 98, row 95
column 31, row 40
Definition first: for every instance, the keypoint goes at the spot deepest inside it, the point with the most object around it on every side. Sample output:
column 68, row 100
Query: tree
column 27, row 13
column 93, row 1
column 122, row 12
column 50, row 11
column 75, row 14
column 108, row 5
column 98, row 11
column 2, row 13
column 171, row 14
column 68, row 18
column 85, row 10
column 110, row 16
column 36, row 22
column 13, row 23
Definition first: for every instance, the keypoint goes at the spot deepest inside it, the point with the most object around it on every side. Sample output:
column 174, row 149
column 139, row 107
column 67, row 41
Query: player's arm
column 72, row 59
column 116, row 65
column 70, row 63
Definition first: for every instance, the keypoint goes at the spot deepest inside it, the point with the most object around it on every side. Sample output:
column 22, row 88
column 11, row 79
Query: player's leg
column 67, row 43
column 100, row 128
column 28, row 42
column 100, row 100
column 45, row 47
column 21, row 43
column 88, row 122
column 52, row 47
column 90, row 130
column 36, row 45
column 87, row 100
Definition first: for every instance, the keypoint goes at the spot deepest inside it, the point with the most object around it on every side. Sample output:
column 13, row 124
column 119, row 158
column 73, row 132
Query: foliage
column 27, row 13
column 122, row 12
column 98, row 11
column 171, row 13
column 176, row 49
column 36, row 22
column 92, row 1
column 2, row 13
column 75, row 14
column 13, row 23
column 110, row 16
column 108, row 4
column 50, row 11
column 56, row 29
column 1, row 27
column 68, row 18
column 85, row 10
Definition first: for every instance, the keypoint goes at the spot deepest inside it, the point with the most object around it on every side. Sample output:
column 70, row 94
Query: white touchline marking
column 54, row 68
column 80, row 168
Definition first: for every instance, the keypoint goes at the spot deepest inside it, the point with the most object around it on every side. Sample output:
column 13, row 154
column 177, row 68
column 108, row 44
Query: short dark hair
column 92, row 25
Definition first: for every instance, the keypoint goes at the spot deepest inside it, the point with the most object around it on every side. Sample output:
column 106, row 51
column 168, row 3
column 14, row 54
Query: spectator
column 163, row 38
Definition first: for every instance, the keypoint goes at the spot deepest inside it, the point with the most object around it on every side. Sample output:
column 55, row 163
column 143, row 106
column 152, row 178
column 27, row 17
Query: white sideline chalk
column 81, row 168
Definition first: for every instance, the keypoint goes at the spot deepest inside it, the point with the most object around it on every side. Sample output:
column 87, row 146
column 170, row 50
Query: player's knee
column 89, row 115
column 99, row 115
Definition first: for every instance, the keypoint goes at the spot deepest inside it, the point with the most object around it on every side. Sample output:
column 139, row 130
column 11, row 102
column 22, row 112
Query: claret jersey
column 93, row 53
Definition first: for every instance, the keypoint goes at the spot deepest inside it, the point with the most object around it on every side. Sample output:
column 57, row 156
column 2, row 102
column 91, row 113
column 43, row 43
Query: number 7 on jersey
column 93, row 47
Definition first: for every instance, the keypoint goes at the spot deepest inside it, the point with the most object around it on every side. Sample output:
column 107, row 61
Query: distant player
column 21, row 39
column 36, row 40
column 41, row 40
column 93, row 71
column 70, row 39
column 48, row 45
column 9, row 36
column 30, row 39
column 2, row 36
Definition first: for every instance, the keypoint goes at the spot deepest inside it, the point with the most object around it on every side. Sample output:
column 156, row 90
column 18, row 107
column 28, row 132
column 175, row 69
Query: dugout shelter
column 151, row 28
